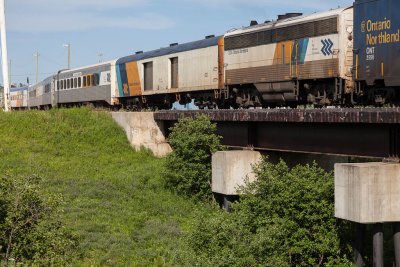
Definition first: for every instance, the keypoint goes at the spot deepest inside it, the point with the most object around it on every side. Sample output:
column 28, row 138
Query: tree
column 188, row 167
column 30, row 225
column 284, row 218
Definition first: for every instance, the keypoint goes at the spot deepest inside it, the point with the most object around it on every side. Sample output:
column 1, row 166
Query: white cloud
column 82, row 22
column 80, row 15
column 73, row 15
column 73, row 4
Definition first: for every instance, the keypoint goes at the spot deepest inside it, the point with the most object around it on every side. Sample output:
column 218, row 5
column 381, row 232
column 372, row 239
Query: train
column 344, row 56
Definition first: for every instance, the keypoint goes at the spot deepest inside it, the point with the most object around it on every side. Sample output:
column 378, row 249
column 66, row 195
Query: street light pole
column 37, row 65
column 69, row 54
column 4, row 55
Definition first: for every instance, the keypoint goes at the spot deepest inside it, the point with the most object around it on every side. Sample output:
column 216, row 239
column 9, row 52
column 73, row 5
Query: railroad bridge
column 366, row 193
column 364, row 132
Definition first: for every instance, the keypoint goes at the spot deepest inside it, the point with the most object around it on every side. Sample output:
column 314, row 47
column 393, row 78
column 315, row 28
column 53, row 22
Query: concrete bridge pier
column 230, row 170
column 369, row 193
column 377, row 245
column 396, row 241
column 359, row 244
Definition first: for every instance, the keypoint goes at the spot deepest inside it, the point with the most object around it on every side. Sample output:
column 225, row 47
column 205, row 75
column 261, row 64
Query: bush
column 188, row 167
column 30, row 227
column 285, row 218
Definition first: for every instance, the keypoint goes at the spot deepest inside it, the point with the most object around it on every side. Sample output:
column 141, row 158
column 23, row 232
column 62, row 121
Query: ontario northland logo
column 327, row 45
column 363, row 26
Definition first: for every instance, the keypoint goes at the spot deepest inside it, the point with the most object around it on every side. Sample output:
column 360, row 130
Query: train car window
column 89, row 80
column 65, row 84
column 96, row 79
column 75, row 82
column 84, row 81
column 148, row 76
column 79, row 82
column 72, row 83
column 68, row 83
column 58, row 85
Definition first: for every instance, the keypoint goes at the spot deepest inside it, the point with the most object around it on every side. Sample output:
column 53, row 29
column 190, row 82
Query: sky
column 101, row 30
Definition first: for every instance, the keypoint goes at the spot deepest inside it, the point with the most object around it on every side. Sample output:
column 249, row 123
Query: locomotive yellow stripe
column 221, row 68
column 283, row 49
column 132, row 73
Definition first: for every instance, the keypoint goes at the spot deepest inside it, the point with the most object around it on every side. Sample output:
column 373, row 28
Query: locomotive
column 377, row 51
column 319, row 59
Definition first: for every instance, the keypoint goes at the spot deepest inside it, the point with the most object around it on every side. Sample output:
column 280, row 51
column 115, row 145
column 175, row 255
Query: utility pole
column 27, row 94
column 69, row 54
column 37, row 65
column 4, row 55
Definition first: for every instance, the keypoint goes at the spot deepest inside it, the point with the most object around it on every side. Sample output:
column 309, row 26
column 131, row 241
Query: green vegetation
column 117, row 211
column 188, row 167
column 30, row 222
column 114, row 198
column 285, row 218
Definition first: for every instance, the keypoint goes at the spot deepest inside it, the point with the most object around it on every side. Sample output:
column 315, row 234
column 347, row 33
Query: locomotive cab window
column 84, row 81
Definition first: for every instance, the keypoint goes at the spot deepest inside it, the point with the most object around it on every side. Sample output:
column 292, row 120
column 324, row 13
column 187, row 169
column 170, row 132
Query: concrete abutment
column 369, row 194
column 144, row 131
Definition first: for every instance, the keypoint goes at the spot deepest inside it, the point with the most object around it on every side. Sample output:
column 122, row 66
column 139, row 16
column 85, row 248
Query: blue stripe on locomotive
column 300, row 49
column 122, row 78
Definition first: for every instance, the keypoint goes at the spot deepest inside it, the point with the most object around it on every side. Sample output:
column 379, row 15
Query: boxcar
column 377, row 48
column 163, row 76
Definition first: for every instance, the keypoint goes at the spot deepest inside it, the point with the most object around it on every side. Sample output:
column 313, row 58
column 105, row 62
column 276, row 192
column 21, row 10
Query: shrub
column 30, row 227
column 285, row 218
column 188, row 167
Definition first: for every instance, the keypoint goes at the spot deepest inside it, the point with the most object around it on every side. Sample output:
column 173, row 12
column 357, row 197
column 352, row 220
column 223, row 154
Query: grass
column 115, row 200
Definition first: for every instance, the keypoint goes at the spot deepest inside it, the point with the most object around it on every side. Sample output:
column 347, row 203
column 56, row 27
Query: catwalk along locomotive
column 318, row 59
